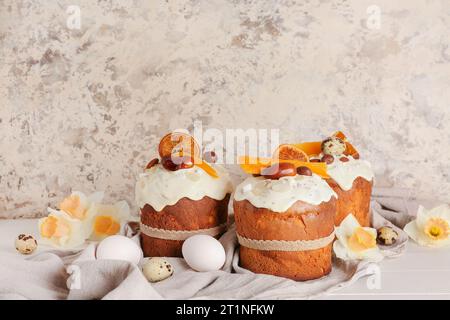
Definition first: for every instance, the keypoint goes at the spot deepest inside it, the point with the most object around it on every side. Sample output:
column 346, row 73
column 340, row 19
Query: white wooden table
column 421, row 273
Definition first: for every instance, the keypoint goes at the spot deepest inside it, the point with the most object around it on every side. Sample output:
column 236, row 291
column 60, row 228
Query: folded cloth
column 78, row 275
column 396, row 205
column 39, row 277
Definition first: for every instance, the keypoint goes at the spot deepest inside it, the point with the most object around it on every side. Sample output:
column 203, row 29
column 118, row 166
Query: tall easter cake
column 285, row 218
column 180, row 196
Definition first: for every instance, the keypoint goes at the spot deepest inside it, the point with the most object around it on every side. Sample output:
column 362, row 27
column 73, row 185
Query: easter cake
column 180, row 195
column 350, row 177
column 285, row 216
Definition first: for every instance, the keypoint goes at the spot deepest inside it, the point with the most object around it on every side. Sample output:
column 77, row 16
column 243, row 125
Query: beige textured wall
column 85, row 108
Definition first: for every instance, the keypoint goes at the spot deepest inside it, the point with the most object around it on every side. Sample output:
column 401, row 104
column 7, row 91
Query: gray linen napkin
column 46, row 276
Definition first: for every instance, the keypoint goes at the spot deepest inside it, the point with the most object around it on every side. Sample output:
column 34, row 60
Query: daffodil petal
column 413, row 231
column 442, row 211
column 347, row 226
column 422, row 217
column 84, row 200
column 96, row 197
column 123, row 209
column 340, row 250
column 372, row 231
column 436, row 210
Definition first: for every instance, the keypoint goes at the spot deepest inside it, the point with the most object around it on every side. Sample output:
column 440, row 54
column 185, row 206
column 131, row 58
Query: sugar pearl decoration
column 25, row 244
column 157, row 269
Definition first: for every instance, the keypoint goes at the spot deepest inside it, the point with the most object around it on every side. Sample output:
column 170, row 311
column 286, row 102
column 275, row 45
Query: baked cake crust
column 355, row 201
column 302, row 221
column 186, row 214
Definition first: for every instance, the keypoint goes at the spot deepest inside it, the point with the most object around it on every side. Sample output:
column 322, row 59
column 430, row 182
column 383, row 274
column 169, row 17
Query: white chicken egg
column 119, row 248
column 203, row 253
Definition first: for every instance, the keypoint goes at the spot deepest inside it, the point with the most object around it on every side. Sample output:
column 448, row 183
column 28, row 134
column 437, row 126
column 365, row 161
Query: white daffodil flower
column 355, row 242
column 60, row 230
column 107, row 220
column 431, row 227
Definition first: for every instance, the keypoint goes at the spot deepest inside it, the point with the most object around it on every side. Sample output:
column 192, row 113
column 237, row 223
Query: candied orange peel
column 254, row 165
column 179, row 143
column 290, row 152
column 298, row 154
column 310, row 148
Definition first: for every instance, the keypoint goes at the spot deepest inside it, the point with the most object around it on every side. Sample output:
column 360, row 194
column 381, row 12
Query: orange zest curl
column 310, row 148
column 205, row 167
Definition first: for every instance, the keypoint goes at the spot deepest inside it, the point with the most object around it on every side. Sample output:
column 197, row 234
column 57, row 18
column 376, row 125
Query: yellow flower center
column 106, row 226
column 72, row 206
column 54, row 228
column 361, row 240
column 437, row 229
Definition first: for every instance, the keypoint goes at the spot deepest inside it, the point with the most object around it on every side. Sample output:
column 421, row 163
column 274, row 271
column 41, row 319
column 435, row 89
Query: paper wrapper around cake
column 355, row 201
column 184, row 215
column 302, row 221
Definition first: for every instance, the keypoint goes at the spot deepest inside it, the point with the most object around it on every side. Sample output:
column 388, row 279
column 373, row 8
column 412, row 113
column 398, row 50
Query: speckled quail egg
column 157, row 269
column 25, row 244
column 333, row 146
column 386, row 236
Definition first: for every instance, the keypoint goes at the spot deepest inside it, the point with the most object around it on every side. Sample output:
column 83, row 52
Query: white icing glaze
column 280, row 195
column 344, row 173
column 159, row 187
